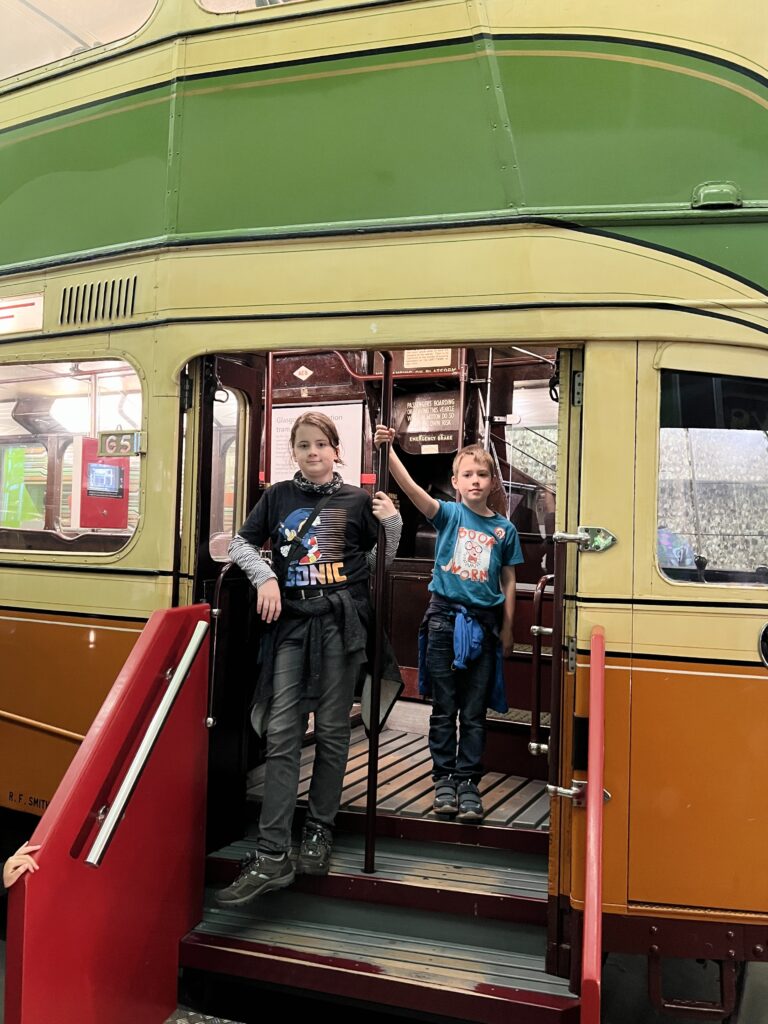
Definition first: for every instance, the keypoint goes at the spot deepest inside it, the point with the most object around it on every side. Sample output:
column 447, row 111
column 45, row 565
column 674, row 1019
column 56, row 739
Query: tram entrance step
column 446, row 965
column 430, row 876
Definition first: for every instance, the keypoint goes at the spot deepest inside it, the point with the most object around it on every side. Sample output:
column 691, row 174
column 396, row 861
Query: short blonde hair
column 476, row 452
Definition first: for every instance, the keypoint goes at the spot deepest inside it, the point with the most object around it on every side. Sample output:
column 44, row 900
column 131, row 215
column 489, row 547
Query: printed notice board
column 348, row 418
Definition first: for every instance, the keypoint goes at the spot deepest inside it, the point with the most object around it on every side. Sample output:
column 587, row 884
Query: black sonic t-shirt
column 334, row 547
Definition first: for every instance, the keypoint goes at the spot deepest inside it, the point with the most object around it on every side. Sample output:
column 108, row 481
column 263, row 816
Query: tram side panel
column 75, row 596
column 46, row 700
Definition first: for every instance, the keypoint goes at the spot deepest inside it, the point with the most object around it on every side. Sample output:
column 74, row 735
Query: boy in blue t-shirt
column 469, row 615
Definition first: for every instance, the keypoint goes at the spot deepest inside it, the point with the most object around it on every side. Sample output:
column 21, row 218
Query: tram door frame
column 233, row 656
column 564, row 620
column 218, row 373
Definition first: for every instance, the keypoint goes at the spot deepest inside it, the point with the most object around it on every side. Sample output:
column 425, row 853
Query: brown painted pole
column 382, row 483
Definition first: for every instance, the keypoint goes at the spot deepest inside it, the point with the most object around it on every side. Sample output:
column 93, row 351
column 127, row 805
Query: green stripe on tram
column 448, row 130
column 735, row 248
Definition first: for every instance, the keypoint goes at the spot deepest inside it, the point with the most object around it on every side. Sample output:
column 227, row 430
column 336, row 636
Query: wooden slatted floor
column 406, row 788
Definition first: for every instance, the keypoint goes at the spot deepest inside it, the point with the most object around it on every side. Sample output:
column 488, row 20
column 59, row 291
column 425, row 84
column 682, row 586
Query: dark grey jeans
column 286, row 726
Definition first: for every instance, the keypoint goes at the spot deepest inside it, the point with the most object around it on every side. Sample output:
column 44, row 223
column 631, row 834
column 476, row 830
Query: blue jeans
column 463, row 693
column 286, row 727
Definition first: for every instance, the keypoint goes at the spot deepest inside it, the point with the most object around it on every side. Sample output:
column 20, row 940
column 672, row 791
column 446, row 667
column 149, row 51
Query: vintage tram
column 540, row 225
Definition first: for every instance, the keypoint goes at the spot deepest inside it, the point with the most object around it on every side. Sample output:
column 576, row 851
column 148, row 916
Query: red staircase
column 93, row 937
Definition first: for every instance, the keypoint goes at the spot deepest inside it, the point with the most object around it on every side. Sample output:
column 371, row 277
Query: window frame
column 52, row 541
column 716, row 359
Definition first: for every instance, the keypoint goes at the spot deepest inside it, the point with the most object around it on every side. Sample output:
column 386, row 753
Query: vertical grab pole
column 538, row 631
column 268, row 384
column 555, row 698
column 382, row 482
column 488, row 383
column 591, row 964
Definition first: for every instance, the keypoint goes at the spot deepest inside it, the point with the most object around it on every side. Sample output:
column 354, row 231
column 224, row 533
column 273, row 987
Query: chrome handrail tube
column 535, row 746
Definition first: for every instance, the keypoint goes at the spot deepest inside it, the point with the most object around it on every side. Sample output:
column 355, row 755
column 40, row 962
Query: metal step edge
column 242, row 920
column 485, row 835
column 487, row 1004
column 433, row 967
column 432, row 964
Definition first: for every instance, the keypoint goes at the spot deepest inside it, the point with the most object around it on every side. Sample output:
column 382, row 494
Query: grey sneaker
column 445, row 801
column 315, row 850
column 470, row 804
column 259, row 874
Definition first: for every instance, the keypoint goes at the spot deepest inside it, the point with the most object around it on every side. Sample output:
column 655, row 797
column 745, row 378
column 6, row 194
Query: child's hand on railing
column 383, row 506
column 383, row 435
column 18, row 864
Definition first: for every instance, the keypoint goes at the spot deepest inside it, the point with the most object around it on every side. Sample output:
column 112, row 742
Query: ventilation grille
column 100, row 300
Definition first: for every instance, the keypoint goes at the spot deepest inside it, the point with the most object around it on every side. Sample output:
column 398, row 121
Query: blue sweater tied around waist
column 469, row 630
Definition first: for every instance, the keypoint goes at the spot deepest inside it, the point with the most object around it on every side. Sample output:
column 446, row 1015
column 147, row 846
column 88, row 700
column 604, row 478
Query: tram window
column 69, row 475
column 713, row 478
column 227, row 474
column 531, row 445
column 32, row 35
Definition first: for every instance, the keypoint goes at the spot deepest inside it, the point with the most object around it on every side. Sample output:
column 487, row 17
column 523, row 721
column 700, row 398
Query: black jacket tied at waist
column 351, row 608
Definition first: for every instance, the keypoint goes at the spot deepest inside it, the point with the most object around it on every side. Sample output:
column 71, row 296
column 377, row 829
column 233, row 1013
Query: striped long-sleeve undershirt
column 258, row 569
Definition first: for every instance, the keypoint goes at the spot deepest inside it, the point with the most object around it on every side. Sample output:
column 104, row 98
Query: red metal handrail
column 591, row 962
column 94, row 935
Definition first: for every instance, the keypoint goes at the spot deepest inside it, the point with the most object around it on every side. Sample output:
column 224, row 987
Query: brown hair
column 323, row 423
column 476, row 452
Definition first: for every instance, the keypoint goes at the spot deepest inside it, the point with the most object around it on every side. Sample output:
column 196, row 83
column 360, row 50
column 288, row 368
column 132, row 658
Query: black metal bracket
column 693, row 1009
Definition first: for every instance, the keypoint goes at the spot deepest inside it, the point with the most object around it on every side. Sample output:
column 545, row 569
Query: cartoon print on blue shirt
column 472, row 555
column 289, row 529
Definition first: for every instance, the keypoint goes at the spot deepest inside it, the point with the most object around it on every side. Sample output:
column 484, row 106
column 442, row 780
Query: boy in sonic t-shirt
column 469, row 616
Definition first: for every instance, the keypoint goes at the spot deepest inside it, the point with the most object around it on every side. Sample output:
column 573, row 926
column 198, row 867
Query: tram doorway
column 508, row 398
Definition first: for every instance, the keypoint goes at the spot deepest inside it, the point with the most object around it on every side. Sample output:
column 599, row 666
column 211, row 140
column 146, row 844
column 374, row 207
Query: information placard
column 21, row 313
column 428, row 423
column 427, row 359
column 348, row 417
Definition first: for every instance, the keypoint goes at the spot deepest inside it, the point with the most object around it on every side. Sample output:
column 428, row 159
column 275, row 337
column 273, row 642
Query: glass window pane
column 57, row 492
column 532, row 457
column 36, row 33
column 229, row 417
column 713, row 479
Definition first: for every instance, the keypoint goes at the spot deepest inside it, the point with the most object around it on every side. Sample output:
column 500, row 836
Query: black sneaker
column 445, row 801
column 470, row 804
column 315, row 850
column 259, row 874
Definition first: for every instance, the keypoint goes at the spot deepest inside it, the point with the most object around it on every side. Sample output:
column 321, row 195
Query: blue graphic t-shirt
column 469, row 554
column 332, row 550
